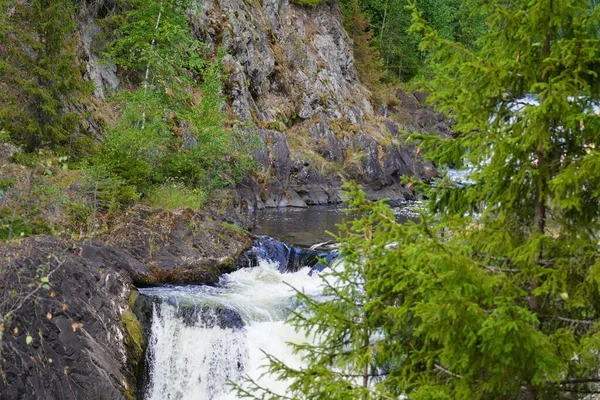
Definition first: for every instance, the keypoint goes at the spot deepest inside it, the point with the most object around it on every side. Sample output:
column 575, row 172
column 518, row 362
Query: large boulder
column 68, row 325
column 66, row 337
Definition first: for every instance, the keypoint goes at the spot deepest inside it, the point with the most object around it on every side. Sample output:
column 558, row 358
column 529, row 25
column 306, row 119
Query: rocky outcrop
column 70, row 331
column 292, row 82
column 177, row 247
column 67, row 340
column 291, row 73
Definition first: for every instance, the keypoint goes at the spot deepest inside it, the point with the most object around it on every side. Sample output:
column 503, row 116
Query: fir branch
column 440, row 368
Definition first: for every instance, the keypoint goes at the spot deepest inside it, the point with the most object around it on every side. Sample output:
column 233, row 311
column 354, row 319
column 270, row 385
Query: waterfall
column 204, row 337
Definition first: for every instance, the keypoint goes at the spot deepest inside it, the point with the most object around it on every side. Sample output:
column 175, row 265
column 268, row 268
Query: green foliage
column 399, row 48
column 234, row 228
column 369, row 63
column 107, row 190
column 41, row 80
column 13, row 226
column 494, row 294
column 307, row 2
column 172, row 127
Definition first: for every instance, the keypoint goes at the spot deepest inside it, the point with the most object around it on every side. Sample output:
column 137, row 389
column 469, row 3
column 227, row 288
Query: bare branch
column 440, row 368
column 18, row 305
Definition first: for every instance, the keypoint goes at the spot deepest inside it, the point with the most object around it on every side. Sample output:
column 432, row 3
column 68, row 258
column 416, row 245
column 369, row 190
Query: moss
column 134, row 343
column 233, row 228
column 135, row 335
column 133, row 298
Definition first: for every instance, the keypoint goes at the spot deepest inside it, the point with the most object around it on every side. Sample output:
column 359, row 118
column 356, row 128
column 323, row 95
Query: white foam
column 193, row 362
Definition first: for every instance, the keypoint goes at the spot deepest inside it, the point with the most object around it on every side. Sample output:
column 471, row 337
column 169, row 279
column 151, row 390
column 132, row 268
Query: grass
column 175, row 196
column 233, row 228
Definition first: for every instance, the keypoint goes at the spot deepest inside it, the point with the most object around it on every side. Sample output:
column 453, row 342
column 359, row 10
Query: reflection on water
column 307, row 226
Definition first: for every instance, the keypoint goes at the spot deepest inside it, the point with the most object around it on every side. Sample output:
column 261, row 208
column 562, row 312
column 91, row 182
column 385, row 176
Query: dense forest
column 493, row 293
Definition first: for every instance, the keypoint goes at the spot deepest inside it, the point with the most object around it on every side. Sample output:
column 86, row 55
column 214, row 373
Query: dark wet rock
column 78, row 341
column 86, row 339
column 208, row 317
column 177, row 247
column 289, row 258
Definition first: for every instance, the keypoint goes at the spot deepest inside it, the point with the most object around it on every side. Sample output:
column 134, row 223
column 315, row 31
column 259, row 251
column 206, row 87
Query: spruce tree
column 368, row 59
column 341, row 355
column 41, row 79
column 494, row 293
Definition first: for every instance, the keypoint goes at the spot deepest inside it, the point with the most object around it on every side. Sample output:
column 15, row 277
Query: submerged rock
column 288, row 258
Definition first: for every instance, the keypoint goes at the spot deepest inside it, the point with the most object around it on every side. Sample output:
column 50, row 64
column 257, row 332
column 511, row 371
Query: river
column 202, row 337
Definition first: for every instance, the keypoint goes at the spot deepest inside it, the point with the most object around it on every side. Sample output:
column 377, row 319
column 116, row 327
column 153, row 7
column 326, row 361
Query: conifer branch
column 440, row 368
column 576, row 321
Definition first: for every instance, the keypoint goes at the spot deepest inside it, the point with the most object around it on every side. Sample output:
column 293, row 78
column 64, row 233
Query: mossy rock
column 134, row 341
column 133, row 330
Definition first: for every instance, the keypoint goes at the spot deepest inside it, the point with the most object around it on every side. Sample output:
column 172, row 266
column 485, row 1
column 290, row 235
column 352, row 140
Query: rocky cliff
column 291, row 73
column 291, row 81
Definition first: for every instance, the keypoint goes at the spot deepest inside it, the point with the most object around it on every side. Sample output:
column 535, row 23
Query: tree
column 342, row 356
column 390, row 21
column 172, row 127
column 369, row 63
column 495, row 292
column 41, row 80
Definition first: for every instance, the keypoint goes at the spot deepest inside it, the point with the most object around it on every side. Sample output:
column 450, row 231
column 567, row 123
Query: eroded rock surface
column 67, row 341
column 292, row 73
column 73, row 333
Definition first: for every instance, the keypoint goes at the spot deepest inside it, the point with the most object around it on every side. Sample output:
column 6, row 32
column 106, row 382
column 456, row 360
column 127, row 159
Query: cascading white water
column 194, row 358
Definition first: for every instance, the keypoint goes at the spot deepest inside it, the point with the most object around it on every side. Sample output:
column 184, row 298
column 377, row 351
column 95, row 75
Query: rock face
column 68, row 341
column 73, row 333
column 291, row 73
column 176, row 247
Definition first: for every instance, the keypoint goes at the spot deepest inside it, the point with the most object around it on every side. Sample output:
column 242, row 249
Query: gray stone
column 295, row 65
column 102, row 72
column 408, row 100
column 294, row 200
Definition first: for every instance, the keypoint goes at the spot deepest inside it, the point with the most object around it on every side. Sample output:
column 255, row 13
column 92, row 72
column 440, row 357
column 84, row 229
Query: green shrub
column 108, row 191
column 12, row 226
column 172, row 128
column 175, row 196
